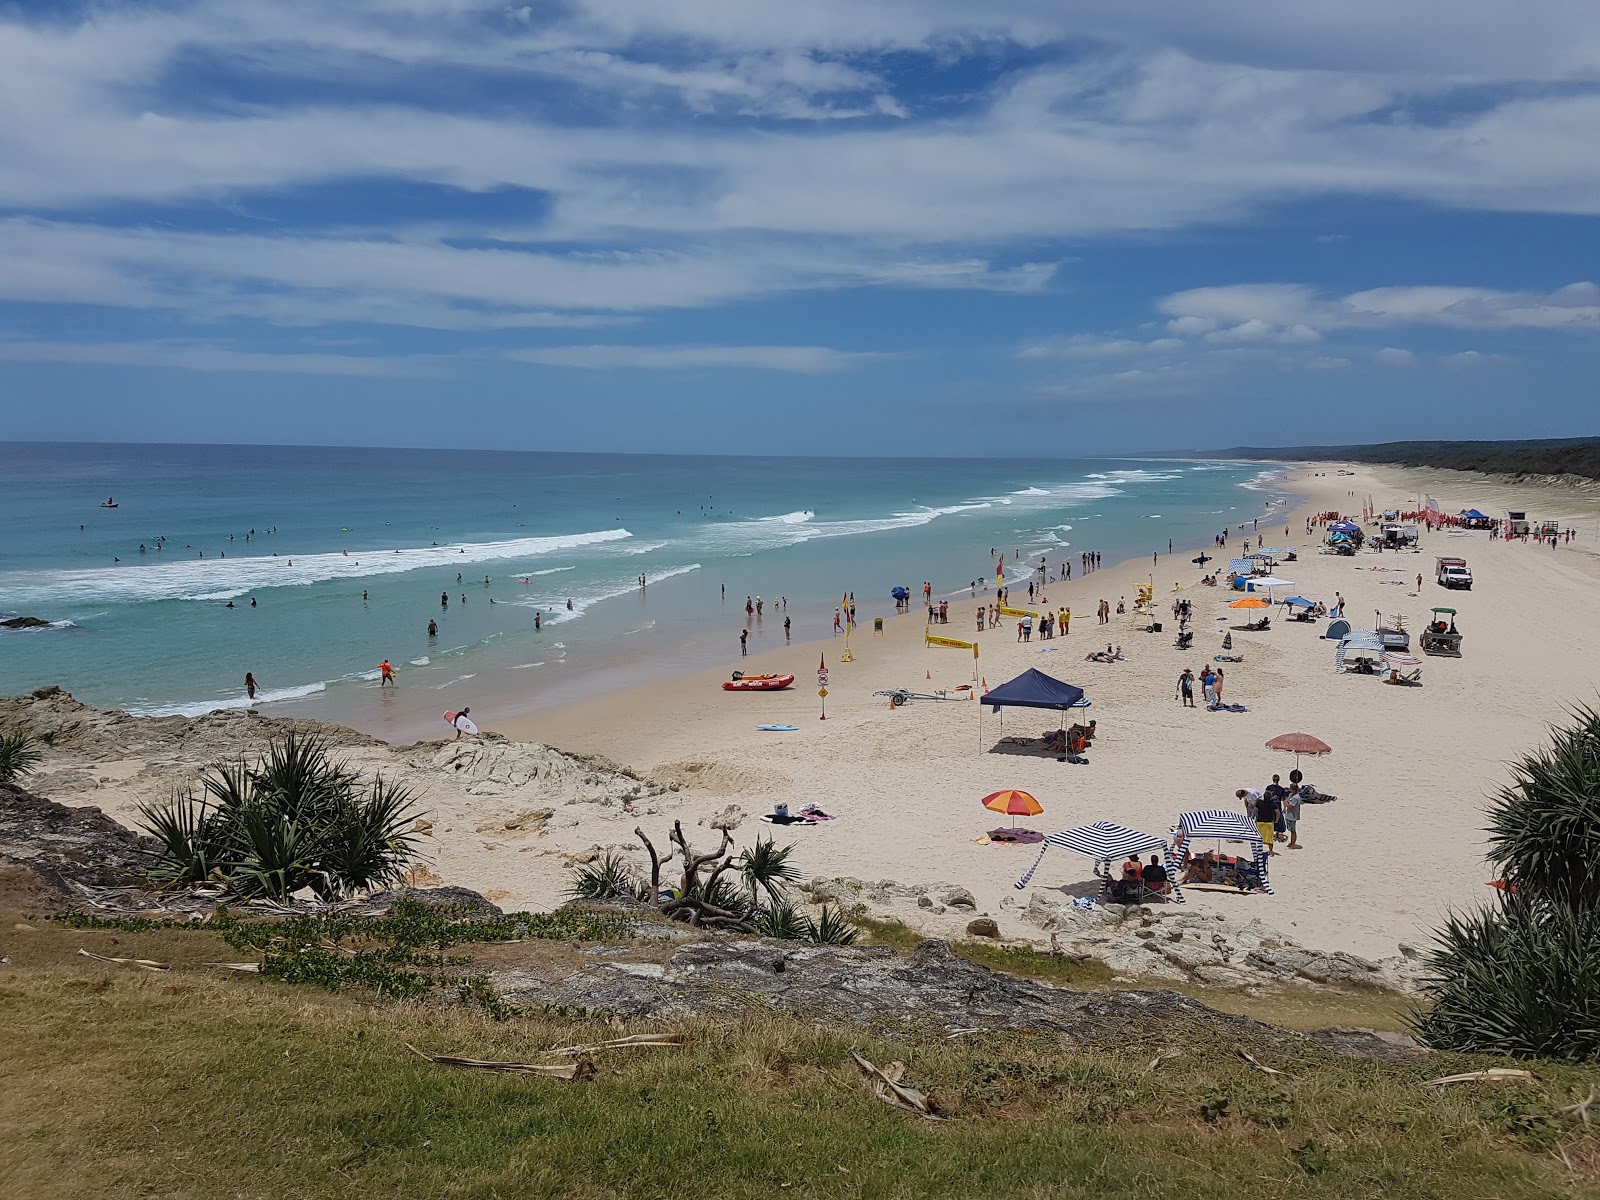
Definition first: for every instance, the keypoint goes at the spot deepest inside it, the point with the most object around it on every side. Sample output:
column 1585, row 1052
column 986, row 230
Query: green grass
column 120, row 1083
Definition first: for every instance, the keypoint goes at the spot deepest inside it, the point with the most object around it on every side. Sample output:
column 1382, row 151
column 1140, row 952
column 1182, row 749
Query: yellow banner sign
column 1018, row 612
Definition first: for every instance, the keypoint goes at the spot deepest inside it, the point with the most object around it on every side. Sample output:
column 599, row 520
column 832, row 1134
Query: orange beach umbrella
column 1013, row 803
column 1251, row 602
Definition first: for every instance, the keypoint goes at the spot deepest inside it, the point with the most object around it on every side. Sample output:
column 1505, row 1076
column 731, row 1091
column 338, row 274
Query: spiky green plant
column 1523, row 977
column 296, row 818
column 193, row 848
column 765, row 867
column 607, row 878
column 779, row 919
column 19, row 755
column 370, row 840
column 831, row 928
column 1544, row 827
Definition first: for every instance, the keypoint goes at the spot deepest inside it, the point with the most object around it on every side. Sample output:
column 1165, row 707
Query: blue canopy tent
column 1034, row 689
column 1104, row 842
column 1344, row 527
column 1300, row 602
column 1473, row 514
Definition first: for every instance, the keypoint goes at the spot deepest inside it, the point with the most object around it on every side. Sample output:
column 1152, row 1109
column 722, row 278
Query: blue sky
column 843, row 226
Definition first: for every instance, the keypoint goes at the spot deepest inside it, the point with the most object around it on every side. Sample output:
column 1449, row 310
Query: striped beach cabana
column 1104, row 842
column 1225, row 826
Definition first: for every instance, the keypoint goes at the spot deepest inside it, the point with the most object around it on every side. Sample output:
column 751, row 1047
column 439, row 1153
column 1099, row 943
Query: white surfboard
column 460, row 721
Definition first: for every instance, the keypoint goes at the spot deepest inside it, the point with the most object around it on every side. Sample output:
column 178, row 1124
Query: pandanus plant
column 1523, row 975
column 294, row 818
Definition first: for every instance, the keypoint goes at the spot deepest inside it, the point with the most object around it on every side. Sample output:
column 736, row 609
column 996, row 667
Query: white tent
column 1269, row 582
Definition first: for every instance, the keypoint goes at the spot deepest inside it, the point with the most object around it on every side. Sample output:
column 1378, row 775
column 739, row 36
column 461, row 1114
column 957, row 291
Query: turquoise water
column 307, row 533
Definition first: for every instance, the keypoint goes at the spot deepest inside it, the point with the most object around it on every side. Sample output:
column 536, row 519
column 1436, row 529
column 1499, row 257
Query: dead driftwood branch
column 1254, row 1062
column 692, row 904
column 583, row 1069
column 887, row 1087
column 147, row 964
column 1492, row 1075
column 623, row 1043
column 251, row 967
column 1580, row 1110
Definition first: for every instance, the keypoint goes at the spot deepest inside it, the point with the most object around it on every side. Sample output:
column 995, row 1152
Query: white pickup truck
column 1454, row 573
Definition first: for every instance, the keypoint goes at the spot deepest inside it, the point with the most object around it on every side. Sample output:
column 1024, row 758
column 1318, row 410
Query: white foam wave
column 525, row 666
column 556, row 612
column 227, row 578
column 792, row 518
column 200, row 708
column 420, row 662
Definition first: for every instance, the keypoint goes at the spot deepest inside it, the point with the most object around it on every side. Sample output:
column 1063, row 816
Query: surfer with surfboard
column 460, row 722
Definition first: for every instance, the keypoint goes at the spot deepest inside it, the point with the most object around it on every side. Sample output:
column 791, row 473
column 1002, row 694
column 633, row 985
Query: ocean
column 346, row 554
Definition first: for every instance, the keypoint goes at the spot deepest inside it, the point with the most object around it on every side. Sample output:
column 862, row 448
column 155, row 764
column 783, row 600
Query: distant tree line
column 1555, row 456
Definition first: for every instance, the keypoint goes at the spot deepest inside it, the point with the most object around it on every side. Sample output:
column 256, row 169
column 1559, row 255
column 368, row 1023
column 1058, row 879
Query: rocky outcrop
column 1210, row 949
column 24, row 623
column 63, row 845
column 871, row 987
column 1164, row 942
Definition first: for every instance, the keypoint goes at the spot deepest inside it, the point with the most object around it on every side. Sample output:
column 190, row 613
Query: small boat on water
column 757, row 683
column 111, row 502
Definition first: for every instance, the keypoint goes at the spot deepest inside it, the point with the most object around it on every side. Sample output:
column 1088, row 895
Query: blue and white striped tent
column 1225, row 826
column 1105, row 842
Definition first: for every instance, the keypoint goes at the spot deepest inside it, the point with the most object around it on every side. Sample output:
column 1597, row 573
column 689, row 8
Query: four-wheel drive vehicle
column 1454, row 573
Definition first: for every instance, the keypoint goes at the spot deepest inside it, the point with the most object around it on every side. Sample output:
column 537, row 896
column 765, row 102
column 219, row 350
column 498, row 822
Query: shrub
column 1523, row 977
column 19, row 755
column 296, row 818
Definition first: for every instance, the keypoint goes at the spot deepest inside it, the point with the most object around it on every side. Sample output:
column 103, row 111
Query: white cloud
column 803, row 360
column 1091, row 346
column 1257, row 330
column 1393, row 356
column 1473, row 358
column 1299, row 311
column 202, row 356
column 813, row 169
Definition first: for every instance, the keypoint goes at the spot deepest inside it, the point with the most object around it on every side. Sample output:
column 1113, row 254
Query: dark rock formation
column 24, row 623
column 63, row 845
column 871, row 987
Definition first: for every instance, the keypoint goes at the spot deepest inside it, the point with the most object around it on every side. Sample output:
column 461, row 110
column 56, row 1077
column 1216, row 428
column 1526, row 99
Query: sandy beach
column 1379, row 866
column 1411, row 766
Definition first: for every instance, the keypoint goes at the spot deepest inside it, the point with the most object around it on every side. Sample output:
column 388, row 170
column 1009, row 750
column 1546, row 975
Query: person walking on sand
column 786, row 630
column 1207, row 682
column 1186, row 688
column 460, row 716
column 744, row 641
column 249, row 685
column 385, row 674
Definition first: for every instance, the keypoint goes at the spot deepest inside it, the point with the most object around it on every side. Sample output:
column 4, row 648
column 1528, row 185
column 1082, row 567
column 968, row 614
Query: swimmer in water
column 433, row 628
column 569, row 604
column 250, row 685
column 385, row 674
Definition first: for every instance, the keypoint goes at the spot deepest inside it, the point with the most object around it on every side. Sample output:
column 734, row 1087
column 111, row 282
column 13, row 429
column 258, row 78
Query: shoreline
column 611, row 670
column 1381, row 865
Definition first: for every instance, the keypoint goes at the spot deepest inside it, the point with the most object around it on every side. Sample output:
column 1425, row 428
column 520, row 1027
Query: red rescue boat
column 758, row 683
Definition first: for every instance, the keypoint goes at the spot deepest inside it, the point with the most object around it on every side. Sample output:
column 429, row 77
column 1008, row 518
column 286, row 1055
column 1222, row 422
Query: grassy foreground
column 117, row 1082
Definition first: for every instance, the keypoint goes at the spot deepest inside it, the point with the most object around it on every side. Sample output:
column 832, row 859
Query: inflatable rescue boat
column 757, row 683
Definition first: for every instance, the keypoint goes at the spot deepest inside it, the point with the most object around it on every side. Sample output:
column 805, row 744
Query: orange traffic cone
column 929, row 674
column 985, row 687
